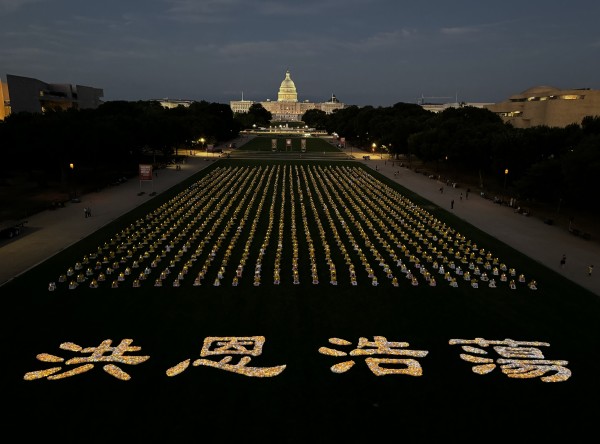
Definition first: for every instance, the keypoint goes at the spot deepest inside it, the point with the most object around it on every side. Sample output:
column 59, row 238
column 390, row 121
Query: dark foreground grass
column 307, row 401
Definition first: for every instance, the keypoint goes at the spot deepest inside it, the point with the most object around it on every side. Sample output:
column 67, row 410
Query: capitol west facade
column 287, row 108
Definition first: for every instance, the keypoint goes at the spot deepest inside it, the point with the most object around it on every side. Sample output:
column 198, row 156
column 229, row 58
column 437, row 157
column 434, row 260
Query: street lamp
column 72, row 167
column 202, row 145
column 505, row 176
column 373, row 146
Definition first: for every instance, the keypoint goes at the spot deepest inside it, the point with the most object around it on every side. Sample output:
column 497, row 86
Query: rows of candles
column 289, row 223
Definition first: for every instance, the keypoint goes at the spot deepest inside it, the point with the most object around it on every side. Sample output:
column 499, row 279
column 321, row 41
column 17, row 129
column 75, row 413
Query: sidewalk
column 49, row 232
column 541, row 242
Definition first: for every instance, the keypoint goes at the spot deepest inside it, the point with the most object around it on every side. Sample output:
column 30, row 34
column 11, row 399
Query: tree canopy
column 548, row 164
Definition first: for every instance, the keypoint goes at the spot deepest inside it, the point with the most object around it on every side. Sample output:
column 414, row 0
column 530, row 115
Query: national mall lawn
column 295, row 300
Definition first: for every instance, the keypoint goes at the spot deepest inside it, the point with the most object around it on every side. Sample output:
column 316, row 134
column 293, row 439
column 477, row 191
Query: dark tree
column 256, row 115
column 315, row 118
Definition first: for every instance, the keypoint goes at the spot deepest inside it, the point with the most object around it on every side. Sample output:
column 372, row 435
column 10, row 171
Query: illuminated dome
column 287, row 90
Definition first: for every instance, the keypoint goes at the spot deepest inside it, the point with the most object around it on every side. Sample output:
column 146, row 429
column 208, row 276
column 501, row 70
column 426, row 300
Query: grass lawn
column 296, row 362
column 264, row 143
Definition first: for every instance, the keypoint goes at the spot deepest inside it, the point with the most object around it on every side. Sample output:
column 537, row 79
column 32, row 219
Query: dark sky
column 366, row 52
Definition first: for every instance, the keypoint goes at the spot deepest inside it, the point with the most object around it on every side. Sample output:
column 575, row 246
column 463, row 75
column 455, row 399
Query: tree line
column 109, row 141
column 547, row 164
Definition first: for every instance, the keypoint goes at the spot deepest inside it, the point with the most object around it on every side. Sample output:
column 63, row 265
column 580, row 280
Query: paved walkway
column 49, row 232
column 541, row 242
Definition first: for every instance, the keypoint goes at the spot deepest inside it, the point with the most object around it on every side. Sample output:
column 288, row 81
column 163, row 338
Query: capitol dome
column 287, row 90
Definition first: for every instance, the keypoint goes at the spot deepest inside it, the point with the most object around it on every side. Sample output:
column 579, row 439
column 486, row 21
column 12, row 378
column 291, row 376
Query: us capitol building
column 287, row 108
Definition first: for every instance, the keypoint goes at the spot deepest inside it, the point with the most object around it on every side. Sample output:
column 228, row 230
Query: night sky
column 366, row 52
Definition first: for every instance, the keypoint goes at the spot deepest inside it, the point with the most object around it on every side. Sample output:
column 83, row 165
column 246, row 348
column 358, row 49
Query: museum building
column 548, row 106
column 26, row 94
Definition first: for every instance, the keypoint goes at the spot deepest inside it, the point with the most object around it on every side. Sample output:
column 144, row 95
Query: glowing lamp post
column 505, row 176
column 72, row 167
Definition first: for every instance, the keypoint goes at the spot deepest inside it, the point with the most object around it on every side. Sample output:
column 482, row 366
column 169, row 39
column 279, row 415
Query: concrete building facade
column 439, row 107
column 25, row 94
column 549, row 106
column 173, row 103
column 287, row 108
column 4, row 100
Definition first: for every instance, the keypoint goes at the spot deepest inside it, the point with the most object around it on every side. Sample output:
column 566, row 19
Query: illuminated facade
column 4, row 100
column 287, row 108
column 240, row 106
column 25, row 94
column 173, row 103
column 439, row 107
column 548, row 106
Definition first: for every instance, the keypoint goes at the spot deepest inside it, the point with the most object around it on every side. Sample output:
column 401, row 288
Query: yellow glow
column 413, row 225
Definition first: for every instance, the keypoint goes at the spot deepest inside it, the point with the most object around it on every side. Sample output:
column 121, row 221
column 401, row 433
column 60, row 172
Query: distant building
column 25, row 94
column 549, row 106
column 439, row 107
column 173, row 103
column 287, row 108
column 4, row 100
column 241, row 106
